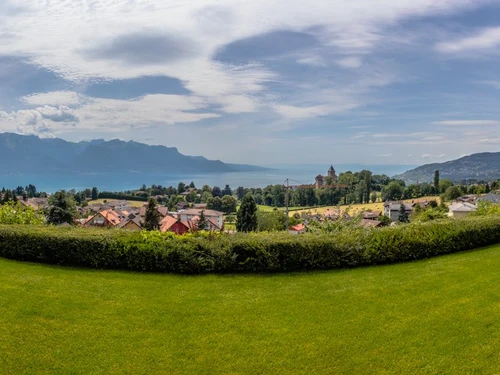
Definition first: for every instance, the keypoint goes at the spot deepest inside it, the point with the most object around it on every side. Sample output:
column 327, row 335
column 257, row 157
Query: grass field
column 131, row 203
column 356, row 208
column 438, row 316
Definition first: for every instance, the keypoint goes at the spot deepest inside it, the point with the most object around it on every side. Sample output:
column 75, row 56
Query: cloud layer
column 290, row 72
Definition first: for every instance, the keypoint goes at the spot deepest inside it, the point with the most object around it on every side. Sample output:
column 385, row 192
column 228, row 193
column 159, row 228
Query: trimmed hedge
column 263, row 252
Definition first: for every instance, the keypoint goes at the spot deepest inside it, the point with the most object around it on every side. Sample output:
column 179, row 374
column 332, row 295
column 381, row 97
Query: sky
column 258, row 81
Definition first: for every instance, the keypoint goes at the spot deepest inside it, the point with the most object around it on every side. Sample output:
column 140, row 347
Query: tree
column 393, row 191
column 95, row 193
column 152, row 217
column 373, row 197
column 7, row 196
column 216, row 191
column 240, row 192
column 214, row 204
column 227, row 191
column 181, row 188
column 452, row 193
column 444, row 184
column 228, row 204
column 246, row 218
column 202, row 221
column 436, row 181
column 191, row 185
column 403, row 215
column 62, row 209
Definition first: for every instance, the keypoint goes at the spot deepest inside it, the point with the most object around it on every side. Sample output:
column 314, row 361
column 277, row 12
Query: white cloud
column 467, row 122
column 349, row 62
column 431, row 156
column 315, row 61
column 385, row 155
column 485, row 39
column 53, row 98
column 98, row 114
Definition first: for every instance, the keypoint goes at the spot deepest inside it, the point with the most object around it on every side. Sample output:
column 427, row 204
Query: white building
column 212, row 215
column 461, row 209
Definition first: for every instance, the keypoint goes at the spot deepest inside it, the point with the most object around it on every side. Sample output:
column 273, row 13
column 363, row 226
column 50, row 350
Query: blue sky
column 260, row 82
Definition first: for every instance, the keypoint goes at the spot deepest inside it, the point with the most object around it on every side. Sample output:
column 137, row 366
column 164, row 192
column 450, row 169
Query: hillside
column 481, row 166
column 22, row 154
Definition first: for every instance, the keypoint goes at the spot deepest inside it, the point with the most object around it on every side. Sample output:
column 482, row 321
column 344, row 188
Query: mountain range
column 24, row 154
column 481, row 166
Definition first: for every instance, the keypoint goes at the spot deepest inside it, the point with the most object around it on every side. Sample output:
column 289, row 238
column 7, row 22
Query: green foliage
column 246, row 218
column 263, row 252
column 444, row 184
column 392, row 192
column 62, row 208
column 452, row 193
column 429, row 214
column 436, row 181
column 16, row 213
column 271, row 221
column 403, row 215
column 152, row 217
column 486, row 208
column 202, row 221
column 228, row 204
column 385, row 220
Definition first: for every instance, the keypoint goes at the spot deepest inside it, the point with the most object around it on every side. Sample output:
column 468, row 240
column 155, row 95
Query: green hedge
column 264, row 252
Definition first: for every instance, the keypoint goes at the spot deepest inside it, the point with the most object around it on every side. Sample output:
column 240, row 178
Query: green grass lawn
column 438, row 316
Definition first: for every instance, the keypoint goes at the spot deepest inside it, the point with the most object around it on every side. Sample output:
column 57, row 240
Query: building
column 177, row 226
column 106, row 218
column 391, row 209
column 461, row 209
column 330, row 178
column 297, row 229
column 492, row 197
column 216, row 217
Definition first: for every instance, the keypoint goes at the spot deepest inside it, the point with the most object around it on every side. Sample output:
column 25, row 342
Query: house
column 171, row 224
column 369, row 223
column 371, row 215
column 132, row 222
column 461, row 209
column 391, row 209
column 216, row 216
column 181, row 205
column 35, row 203
column 491, row 197
column 471, row 198
column 200, row 206
column 106, row 218
column 117, row 205
column 297, row 229
column 162, row 210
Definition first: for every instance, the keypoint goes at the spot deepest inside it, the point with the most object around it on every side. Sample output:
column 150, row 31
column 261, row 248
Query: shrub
column 205, row 252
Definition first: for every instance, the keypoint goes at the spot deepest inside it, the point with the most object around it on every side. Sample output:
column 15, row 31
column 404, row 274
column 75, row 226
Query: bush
column 257, row 252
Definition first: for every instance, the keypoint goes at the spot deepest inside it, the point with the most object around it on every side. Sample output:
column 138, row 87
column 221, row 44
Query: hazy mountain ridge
column 480, row 166
column 30, row 154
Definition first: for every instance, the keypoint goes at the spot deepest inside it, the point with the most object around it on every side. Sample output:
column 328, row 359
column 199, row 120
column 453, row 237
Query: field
column 131, row 203
column 438, row 316
column 356, row 208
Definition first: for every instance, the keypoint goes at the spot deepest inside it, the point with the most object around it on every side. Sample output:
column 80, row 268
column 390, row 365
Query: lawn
column 438, row 316
column 131, row 203
column 356, row 208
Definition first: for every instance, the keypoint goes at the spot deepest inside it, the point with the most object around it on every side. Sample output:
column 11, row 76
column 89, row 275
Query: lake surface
column 302, row 174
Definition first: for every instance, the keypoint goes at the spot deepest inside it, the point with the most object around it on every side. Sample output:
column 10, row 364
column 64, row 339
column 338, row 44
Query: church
column 330, row 178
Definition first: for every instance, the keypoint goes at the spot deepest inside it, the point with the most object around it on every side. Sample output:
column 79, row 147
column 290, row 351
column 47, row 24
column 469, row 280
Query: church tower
column 331, row 174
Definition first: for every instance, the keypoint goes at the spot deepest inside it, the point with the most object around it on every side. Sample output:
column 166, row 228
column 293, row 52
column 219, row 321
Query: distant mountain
column 22, row 154
column 482, row 166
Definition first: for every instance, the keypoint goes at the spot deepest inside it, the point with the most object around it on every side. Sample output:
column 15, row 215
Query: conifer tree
column 202, row 221
column 62, row 209
column 152, row 218
column 247, row 215
column 403, row 215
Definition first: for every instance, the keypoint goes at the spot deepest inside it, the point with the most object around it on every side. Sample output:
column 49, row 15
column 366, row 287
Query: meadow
column 434, row 316
column 131, row 203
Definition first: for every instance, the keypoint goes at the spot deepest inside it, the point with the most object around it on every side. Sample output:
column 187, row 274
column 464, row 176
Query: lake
column 300, row 174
